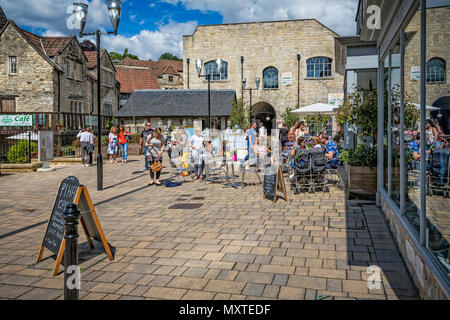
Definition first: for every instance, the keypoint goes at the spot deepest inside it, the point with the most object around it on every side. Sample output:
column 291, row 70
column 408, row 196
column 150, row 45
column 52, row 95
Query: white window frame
column 10, row 65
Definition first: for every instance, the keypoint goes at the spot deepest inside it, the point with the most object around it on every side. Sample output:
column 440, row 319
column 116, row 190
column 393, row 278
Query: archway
column 443, row 114
column 265, row 113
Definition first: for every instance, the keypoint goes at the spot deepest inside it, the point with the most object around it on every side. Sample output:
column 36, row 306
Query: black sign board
column 270, row 186
column 274, row 182
column 55, row 228
column 70, row 191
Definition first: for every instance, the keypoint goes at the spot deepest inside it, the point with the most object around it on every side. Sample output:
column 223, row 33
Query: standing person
column 301, row 131
column 155, row 145
column 91, row 147
column 248, row 143
column 198, row 149
column 123, row 141
column 293, row 128
column 284, row 135
column 145, row 134
column 261, row 151
column 83, row 135
column 113, row 146
column 252, row 134
column 262, row 133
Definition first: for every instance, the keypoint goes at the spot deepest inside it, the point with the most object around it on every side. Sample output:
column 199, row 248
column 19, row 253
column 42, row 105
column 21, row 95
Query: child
column 113, row 146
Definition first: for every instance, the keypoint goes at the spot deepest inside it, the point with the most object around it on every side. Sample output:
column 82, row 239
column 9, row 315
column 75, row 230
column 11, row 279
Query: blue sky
column 150, row 28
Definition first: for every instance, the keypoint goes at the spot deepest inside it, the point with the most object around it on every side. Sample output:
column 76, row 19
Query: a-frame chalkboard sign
column 70, row 191
column 274, row 183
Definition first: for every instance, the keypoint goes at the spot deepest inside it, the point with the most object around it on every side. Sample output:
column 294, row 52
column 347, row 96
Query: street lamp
column 244, row 83
column 81, row 12
column 199, row 65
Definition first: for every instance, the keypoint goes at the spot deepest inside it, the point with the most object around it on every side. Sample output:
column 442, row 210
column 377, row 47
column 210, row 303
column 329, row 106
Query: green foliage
column 169, row 56
column 363, row 156
column 135, row 137
column 18, row 153
column 318, row 123
column 120, row 57
column 239, row 115
column 289, row 118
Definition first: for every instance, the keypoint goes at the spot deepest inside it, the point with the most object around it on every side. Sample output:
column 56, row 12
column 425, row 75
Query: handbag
column 156, row 167
column 128, row 137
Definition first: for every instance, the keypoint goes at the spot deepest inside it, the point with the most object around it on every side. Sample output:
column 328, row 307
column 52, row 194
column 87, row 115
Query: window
column 68, row 71
column 319, row 67
column 211, row 69
column 435, row 70
column 270, row 77
column 7, row 105
column 13, row 65
column 170, row 78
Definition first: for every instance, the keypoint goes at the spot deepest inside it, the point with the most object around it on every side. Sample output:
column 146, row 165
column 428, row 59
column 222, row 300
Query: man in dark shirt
column 284, row 135
column 146, row 133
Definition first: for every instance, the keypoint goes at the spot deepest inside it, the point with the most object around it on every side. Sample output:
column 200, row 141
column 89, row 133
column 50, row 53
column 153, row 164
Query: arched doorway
column 265, row 113
column 443, row 114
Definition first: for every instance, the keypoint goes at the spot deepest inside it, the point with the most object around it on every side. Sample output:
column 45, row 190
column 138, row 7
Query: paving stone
column 231, row 287
column 289, row 293
column 13, row 291
column 355, row 286
column 129, row 278
column 327, row 273
column 253, row 289
column 187, row 283
column 255, row 277
column 41, row 294
column 271, row 291
column 195, row 272
column 307, row 282
column 165, row 293
column 198, row 295
column 277, row 269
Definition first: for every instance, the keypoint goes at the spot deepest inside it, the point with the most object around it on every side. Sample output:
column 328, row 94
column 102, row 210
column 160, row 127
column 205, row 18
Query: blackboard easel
column 274, row 183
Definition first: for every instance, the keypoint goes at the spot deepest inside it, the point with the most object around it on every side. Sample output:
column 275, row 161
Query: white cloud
column 151, row 44
column 337, row 15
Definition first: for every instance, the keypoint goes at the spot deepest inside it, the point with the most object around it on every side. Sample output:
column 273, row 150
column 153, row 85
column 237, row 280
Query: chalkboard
column 55, row 228
column 270, row 186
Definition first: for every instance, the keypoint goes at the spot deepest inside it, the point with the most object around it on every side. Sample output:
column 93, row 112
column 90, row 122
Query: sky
column 150, row 28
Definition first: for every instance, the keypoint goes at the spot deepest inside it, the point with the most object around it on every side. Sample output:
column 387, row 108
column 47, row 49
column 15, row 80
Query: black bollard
column 71, row 217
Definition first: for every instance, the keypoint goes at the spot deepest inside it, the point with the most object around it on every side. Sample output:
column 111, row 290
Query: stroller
column 318, row 171
column 439, row 172
column 300, row 177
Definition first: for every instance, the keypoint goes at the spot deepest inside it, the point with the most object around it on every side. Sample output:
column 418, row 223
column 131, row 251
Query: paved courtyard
column 233, row 245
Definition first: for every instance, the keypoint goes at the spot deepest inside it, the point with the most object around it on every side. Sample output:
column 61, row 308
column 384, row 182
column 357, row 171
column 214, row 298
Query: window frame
column 315, row 68
column 444, row 72
column 223, row 70
column 277, row 78
column 10, row 65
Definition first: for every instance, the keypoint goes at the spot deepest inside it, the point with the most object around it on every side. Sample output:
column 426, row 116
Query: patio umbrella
column 318, row 108
column 24, row 136
column 428, row 108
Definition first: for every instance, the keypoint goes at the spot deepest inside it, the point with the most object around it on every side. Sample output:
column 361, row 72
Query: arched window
column 435, row 70
column 319, row 67
column 270, row 78
column 211, row 69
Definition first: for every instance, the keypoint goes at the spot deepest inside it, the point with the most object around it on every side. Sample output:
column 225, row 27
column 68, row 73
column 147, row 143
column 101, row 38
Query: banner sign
column 415, row 73
column 19, row 120
column 286, row 79
column 336, row 99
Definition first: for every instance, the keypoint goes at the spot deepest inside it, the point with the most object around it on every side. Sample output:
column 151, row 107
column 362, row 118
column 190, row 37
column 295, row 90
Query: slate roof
column 178, row 103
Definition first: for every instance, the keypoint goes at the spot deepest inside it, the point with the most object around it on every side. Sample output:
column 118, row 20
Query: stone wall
column 33, row 86
column 263, row 45
column 72, row 88
column 164, row 82
column 424, row 278
column 438, row 46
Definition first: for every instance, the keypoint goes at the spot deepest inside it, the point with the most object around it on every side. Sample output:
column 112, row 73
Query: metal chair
column 178, row 170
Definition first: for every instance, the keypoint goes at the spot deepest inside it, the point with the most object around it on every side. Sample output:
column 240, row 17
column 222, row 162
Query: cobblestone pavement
column 235, row 246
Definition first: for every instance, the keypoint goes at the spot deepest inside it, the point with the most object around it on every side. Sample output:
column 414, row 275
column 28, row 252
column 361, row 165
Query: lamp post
column 199, row 66
column 81, row 13
column 298, row 80
column 244, row 83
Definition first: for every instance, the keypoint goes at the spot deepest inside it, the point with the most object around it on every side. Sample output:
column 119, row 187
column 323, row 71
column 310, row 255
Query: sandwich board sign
column 274, row 182
column 70, row 191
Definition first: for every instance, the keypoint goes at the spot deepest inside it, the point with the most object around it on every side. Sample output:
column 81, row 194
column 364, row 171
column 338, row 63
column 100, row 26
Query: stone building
column 110, row 90
column 41, row 74
column 438, row 55
column 268, row 51
column 148, row 75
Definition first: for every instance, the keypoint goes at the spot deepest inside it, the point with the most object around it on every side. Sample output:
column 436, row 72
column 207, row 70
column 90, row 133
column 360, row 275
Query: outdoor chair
column 178, row 170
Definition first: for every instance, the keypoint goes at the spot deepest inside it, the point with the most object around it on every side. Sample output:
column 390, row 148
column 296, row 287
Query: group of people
column 118, row 138
column 435, row 138
column 323, row 143
column 257, row 147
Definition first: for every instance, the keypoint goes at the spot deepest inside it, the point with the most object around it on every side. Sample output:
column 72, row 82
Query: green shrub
column 363, row 156
column 18, row 153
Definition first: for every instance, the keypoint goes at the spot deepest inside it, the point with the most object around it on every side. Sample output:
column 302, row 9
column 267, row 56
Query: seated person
column 318, row 144
column 299, row 145
column 331, row 152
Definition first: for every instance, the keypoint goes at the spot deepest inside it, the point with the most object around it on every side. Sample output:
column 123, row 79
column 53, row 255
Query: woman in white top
column 198, row 150
column 261, row 151
column 302, row 131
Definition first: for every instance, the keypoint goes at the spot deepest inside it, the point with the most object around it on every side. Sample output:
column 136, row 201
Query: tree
column 169, row 56
column 239, row 116
column 120, row 57
column 87, row 45
column 289, row 118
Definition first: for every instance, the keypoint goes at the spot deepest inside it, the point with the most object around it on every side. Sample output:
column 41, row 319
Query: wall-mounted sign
column 415, row 73
column 286, row 79
column 91, row 121
column 22, row 120
column 336, row 99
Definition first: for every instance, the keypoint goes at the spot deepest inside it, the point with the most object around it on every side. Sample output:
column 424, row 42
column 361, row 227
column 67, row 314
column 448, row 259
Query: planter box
column 362, row 180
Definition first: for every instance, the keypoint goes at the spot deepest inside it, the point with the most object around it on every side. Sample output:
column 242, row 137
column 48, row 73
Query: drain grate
column 186, row 206
column 349, row 223
column 198, row 198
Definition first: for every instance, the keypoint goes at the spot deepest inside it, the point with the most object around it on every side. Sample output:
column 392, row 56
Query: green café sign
column 16, row 120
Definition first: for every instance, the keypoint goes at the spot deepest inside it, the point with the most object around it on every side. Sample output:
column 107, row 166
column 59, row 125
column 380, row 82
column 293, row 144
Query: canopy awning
column 318, row 108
